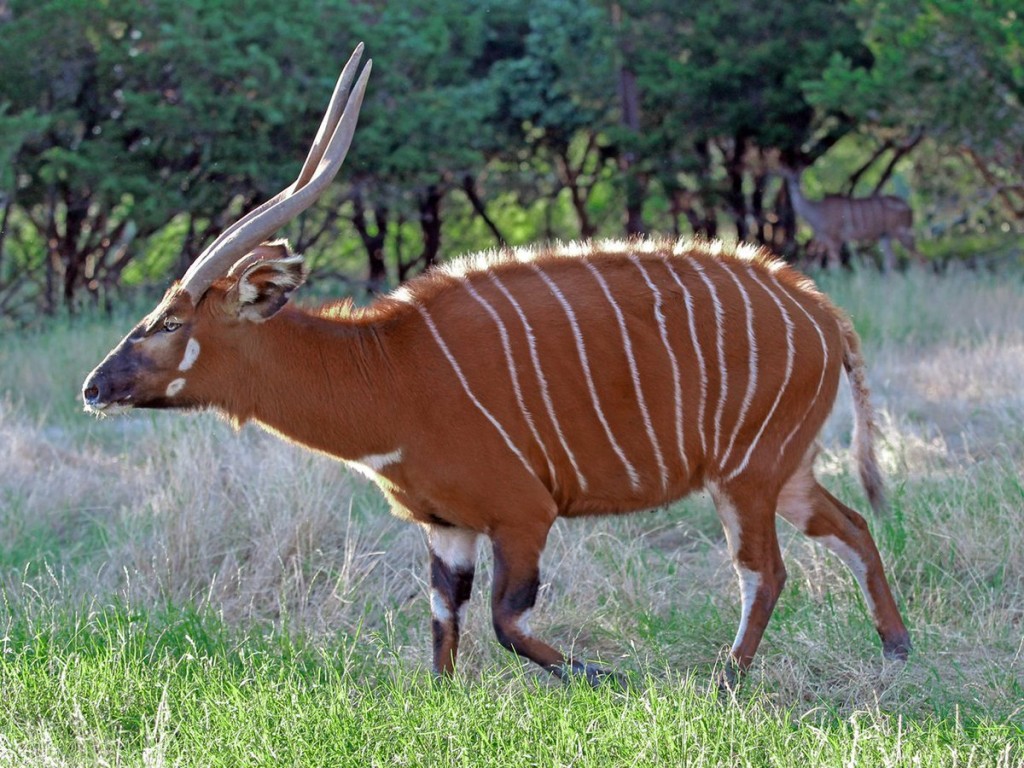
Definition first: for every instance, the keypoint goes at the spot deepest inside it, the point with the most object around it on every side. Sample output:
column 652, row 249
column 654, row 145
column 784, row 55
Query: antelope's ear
column 265, row 283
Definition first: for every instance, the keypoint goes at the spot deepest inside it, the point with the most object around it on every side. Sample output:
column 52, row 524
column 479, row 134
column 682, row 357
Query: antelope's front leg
column 516, row 582
column 452, row 563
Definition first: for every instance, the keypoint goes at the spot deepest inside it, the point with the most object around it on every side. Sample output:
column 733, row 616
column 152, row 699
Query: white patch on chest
column 372, row 465
column 175, row 387
column 191, row 355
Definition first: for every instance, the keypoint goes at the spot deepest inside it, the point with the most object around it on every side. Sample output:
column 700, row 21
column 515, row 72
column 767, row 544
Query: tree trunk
column 469, row 187
column 629, row 100
column 734, row 167
column 373, row 242
column 430, row 223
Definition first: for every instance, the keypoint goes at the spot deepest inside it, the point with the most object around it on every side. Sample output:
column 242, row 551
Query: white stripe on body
column 723, row 388
column 469, row 393
column 581, row 350
column 698, row 353
column 541, row 380
column 510, row 361
column 677, row 388
column 634, row 373
column 785, row 381
column 751, row 361
column 824, row 363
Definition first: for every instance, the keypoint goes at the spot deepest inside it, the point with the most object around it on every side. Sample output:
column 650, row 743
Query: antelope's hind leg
column 452, row 564
column 817, row 513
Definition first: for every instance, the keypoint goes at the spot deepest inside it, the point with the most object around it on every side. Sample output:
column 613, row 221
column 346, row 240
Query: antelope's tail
column 864, row 427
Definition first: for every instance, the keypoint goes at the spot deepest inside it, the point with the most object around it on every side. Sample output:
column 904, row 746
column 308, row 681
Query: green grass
column 175, row 593
column 113, row 686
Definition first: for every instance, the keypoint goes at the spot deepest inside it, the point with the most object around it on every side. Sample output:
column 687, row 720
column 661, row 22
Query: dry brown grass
column 165, row 509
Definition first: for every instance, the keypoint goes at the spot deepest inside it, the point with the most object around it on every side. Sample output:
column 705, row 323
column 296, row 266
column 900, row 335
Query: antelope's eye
column 171, row 324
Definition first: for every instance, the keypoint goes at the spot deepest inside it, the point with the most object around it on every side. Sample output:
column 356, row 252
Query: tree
column 557, row 101
column 155, row 110
column 950, row 67
column 722, row 87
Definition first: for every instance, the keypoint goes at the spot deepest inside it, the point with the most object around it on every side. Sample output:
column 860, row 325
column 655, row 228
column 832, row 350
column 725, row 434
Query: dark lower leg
column 516, row 581
column 450, row 589
column 846, row 533
column 452, row 564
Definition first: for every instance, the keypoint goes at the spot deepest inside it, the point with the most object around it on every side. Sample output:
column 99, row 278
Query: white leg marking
column 857, row 567
column 824, row 360
column 751, row 361
column 510, row 361
column 175, row 387
column 455, row 547
column 523, row 623
column 723, row 389
column 750, row 582
column 190, row 356
column 730, row 519
column 438, row 607
column 785, row 381
column 698, row 353
column 581, row 350
column 541, row 380
column 469, row 393
column 677, row 388
column 633, row 372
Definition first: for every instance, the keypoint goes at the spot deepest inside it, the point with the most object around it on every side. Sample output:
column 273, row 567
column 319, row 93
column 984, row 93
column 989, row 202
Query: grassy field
column 175, row 593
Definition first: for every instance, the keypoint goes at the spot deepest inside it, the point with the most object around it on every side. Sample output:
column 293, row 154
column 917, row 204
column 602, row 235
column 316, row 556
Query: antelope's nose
column 92, row 390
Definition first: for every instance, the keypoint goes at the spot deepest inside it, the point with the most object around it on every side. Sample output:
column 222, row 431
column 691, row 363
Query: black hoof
column 897, row 648
column 728, row 680
column 593, row 675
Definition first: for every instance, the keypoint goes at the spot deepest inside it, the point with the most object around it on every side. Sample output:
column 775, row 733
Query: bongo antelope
column 837, row 219
column 501, row 391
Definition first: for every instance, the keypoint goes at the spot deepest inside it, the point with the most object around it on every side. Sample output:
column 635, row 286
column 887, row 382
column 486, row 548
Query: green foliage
column 120, row 120
column 954, row 69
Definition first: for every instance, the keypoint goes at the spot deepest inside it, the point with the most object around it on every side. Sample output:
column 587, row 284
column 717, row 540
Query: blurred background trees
column 133, row 131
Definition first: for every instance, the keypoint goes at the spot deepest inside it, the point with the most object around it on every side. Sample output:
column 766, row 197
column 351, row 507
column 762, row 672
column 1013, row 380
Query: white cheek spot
column 175, row 387
column 191, row 355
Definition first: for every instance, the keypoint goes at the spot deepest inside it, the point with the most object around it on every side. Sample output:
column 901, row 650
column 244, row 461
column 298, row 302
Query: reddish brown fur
column 376, row 384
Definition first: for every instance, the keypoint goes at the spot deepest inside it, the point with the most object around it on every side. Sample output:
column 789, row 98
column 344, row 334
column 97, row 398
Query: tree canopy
column 132, row 132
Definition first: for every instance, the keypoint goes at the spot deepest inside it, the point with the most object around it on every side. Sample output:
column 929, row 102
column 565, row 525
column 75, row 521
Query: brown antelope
column 837, row 219
column 497, row 393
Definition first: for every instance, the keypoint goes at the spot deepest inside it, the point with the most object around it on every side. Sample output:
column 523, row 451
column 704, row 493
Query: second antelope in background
column 489, row 397
column 838, row 219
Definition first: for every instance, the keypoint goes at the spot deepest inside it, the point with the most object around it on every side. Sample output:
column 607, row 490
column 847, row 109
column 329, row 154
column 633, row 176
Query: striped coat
column 503, row 390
